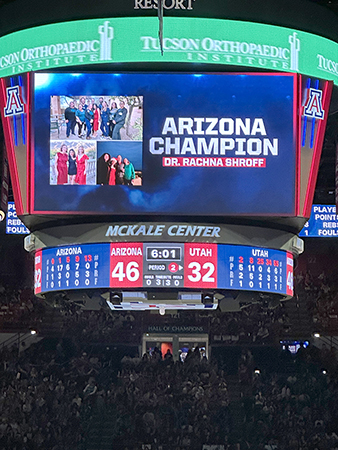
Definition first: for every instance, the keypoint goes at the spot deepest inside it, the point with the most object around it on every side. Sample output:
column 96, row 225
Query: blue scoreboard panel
column 322, row 223
column 163, row 265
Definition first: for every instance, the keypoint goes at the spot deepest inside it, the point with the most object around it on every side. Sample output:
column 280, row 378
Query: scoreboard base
column 117, row 300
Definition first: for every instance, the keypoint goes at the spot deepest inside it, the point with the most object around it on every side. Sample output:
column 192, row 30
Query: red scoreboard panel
column 200, row 263
column 126, row 265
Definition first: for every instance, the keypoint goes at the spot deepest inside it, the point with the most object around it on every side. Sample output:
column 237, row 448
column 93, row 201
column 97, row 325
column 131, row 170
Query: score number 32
column 201, row 272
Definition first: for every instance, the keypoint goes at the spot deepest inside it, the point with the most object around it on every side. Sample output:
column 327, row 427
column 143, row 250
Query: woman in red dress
column 112, row 172
column 81, row 163
column 61, row 159
column 96, row 111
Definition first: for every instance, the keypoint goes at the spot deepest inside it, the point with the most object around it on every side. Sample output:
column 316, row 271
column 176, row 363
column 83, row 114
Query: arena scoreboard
column 163, row 265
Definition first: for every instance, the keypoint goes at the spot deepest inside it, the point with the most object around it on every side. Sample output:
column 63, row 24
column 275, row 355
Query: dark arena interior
column 168, row 227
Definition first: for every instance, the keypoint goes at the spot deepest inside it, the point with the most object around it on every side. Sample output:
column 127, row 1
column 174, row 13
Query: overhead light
column 162, row 311
column 257, row 372
column 33, row 331
column 316, row 335
column 115, row 298
column 208, row 299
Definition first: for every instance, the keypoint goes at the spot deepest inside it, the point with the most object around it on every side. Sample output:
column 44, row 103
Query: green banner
column 189, row 40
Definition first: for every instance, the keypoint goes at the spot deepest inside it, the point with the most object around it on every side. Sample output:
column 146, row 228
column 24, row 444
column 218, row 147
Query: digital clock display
column 164, row 265
column 165, row 253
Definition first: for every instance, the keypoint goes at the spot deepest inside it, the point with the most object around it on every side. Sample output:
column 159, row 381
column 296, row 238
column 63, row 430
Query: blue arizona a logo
column 14, row 104
column 313, row 106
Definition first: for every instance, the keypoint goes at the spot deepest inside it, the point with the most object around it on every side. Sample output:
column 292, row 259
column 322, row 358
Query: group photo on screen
column 96, row 140
column 119, row 163
column 72, row 162
column 111, row 118
column 90, row 163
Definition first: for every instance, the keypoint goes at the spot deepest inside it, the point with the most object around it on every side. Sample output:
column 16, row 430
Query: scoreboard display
column 163, row 265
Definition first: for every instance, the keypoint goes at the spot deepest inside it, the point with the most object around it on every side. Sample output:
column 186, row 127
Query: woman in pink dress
column 112, row 172
column 61, row 159
column 96, row 111
column 81, row 163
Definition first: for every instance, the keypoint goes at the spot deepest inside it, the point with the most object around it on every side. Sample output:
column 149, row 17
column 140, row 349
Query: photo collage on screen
column 96, row 140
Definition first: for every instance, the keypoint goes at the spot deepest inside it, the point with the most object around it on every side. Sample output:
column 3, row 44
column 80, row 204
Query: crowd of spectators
column 47, row 399
column 260, row 323
column 257, row 324
column 171, row 405
column 39, row 402
column 294, row 408
column 102, row 325
column 54, row 396
column 19, row 308
column 320, row 294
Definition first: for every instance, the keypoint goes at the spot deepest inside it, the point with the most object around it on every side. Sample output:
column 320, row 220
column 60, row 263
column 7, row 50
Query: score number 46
column 131, row 271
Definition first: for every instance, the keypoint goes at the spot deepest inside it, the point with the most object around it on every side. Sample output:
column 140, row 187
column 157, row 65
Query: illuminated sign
column 163, row 265
column 167, row 4
column 146, row 229
column 313, row 107
column 322, row 223
column 13, row 223
column 190, row 40
column 14, row 105
column 191, row 144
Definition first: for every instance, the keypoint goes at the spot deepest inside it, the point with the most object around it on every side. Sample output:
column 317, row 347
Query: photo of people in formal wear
column 72, row 163
column 119, row 163
column 96, row 117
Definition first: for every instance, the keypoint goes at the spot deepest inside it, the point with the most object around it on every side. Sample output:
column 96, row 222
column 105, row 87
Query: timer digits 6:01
column 166, row 253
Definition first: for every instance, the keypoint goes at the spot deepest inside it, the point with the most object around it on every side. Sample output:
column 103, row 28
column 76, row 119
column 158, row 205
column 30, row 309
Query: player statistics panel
column 163, row 265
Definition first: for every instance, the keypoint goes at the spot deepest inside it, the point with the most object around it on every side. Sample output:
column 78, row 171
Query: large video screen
column 146, row 143
column 163, row 265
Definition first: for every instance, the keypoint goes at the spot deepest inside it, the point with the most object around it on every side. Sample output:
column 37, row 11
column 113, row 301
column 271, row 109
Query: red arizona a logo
column 14, row 104
column 313, row 106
